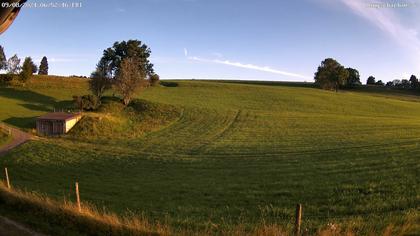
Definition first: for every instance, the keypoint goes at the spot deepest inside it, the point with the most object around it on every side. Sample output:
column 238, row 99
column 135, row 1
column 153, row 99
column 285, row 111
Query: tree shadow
column 36, row 107
column 22, row 122
column 168, row 84
column 66, row 105
column 32, row 101
column 27, row 96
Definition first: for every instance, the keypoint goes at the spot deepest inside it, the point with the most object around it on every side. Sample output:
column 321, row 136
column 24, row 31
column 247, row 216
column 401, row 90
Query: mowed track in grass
column 239, row 153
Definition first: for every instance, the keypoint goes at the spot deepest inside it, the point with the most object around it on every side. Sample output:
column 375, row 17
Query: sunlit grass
column 232, row 154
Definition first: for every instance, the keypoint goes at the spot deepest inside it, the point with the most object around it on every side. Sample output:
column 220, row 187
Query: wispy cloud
column 249, row 66
column 185, row 52
column 389, row 22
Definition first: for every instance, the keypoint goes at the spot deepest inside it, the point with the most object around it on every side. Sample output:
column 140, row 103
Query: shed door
column 47, row 127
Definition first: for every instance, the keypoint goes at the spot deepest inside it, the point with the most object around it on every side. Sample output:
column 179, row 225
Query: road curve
column 18, row 137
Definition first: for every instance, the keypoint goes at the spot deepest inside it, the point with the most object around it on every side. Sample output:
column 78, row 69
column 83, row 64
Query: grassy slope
column 239, row 152
column 4, row 138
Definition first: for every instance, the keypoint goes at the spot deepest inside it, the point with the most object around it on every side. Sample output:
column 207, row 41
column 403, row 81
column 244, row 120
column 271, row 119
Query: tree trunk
column 126, row 101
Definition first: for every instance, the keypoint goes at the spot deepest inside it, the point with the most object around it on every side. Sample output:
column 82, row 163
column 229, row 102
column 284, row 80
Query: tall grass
column 66, row 217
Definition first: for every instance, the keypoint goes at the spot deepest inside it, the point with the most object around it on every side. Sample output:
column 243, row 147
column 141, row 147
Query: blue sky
column 226, row 39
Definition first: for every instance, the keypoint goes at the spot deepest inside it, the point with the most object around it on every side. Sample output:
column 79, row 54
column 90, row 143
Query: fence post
column 78, row 197
column 298, row 221
column 7, row 178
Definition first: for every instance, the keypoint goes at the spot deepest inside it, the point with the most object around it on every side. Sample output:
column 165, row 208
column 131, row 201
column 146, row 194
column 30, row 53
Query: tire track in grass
column 196, row 128
column 205, row 146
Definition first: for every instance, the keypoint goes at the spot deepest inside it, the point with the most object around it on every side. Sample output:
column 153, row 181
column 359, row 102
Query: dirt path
column 18, row 137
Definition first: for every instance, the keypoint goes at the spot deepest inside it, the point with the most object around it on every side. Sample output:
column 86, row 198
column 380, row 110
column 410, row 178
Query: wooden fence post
column 7, row 178
column 78, row 197
column 298, row 221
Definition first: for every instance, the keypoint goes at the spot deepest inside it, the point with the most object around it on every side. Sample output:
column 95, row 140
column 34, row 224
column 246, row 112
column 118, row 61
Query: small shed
column 56, row 123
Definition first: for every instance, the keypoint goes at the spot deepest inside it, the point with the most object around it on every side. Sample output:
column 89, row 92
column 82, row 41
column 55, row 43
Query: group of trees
column 23, row 71
column 372, row 81
column 332, row 75
column 126, row 67
column 412, row 83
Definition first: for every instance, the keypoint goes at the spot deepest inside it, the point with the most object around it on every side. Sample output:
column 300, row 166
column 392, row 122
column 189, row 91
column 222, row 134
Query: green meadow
column 197, row 154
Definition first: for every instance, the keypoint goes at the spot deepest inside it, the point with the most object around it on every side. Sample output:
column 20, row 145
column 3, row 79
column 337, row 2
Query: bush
column 6, row 79
column 86, row 102
column 154, row 80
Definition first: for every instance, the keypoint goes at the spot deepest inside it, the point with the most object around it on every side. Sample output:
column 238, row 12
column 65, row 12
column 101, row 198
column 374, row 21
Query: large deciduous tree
column 331, row 75
column 43, row 66
column 371, row 80
column 354, row 78
column 130, row 77
column 137, row 51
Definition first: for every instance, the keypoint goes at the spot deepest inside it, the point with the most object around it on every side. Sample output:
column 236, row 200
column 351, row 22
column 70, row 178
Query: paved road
column 18, row 137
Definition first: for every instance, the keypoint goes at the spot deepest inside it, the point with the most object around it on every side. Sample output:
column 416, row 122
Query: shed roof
column 59, row 116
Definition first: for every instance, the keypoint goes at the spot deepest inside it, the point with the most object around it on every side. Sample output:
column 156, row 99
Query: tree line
column 331, row 75
column 22, row 71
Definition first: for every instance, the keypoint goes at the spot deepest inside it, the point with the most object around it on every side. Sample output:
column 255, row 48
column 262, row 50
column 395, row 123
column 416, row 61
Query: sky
column 226, row 39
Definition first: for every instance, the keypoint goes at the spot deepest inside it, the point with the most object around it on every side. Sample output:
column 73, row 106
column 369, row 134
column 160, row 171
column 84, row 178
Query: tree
column 353, row 79
column 414, row 82
column 27, row 69
column 3, row 60
column 405, row 84
column 154, row 79
column 379, row 83
column 99, row 81
column 396, row 83
column 134, row 49
column 43, row 66
column 86, row 102
column 371, row 80
column 331, row 75
column 129, row 78
column 34, row 68
column 13, row 65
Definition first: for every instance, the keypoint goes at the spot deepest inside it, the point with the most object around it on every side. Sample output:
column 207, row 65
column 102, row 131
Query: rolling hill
column 194, row 153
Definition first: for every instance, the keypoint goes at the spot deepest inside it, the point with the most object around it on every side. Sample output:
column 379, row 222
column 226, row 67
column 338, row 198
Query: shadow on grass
column 168, row 84
column 36, row 107
column 26, row 96
column 22, row 122
column 32, row 101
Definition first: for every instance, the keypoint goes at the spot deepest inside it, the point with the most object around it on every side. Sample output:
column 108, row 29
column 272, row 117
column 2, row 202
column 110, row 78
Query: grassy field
column 221, row 154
